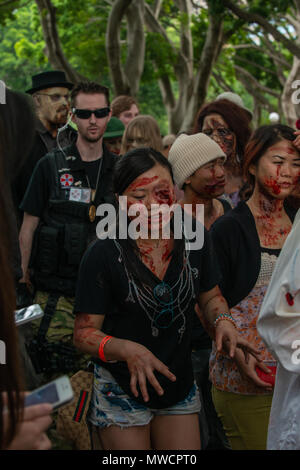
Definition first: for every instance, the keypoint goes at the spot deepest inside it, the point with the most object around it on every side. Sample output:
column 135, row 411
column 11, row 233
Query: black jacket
column 43, row 143
column 237, row 246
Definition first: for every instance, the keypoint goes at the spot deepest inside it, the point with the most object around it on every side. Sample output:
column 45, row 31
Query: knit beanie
column 190, row 152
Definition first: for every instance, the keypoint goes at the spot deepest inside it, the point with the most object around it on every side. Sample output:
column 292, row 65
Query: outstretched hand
column 227, row 338
column 142, row 364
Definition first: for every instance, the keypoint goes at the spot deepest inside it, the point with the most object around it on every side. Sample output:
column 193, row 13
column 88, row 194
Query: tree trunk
column 290, row 100
column 126, row 78
column 54, row 50
column 135, row 45
column 291, row 95
column 209, row 55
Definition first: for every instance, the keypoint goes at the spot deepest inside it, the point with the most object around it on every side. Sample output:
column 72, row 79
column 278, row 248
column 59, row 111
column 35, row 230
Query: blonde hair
column 145, row 128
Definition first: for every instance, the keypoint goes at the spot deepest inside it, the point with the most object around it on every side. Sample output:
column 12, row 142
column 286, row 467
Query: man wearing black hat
column 50, row 92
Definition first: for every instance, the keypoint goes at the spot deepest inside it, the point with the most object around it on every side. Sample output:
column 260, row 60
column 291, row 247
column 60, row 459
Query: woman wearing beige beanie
column 198, row 166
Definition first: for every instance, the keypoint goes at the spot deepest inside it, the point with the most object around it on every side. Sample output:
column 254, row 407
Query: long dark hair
column 16, row 137
column 129, row 167
column 262, row 139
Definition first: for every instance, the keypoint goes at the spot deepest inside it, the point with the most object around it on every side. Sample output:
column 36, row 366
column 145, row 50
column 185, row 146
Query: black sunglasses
column 86, row 113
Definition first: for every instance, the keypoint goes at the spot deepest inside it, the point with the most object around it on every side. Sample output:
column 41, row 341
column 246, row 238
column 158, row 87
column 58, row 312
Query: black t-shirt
column 159, row 316
column 200, row 338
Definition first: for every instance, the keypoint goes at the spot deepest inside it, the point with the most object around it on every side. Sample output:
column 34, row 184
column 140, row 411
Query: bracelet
column 224, row 316
column 101, row 348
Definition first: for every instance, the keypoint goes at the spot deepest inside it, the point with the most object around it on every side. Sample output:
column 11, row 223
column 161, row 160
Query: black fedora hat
column 47, row 80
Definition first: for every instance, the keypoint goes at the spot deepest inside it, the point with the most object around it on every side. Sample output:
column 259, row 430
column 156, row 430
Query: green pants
column 245, row 418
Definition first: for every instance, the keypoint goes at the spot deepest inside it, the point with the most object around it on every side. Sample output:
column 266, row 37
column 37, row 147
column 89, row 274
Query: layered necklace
column 161, row 304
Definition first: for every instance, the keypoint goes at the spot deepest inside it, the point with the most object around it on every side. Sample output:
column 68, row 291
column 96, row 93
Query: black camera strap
column 48, row 314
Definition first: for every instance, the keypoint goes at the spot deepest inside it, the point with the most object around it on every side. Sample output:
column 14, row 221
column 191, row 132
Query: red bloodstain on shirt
column 289, row 298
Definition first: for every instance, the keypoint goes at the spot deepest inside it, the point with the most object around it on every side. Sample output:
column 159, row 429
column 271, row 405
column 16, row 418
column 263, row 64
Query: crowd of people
column 191, row 344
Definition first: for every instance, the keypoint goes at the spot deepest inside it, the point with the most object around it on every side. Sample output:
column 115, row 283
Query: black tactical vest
column 65, row 229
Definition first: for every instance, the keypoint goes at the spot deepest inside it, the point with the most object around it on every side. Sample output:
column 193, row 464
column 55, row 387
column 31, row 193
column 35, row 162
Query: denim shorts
column 111, row 406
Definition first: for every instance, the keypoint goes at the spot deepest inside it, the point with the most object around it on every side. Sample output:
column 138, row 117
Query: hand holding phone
column 57, row 393
column 31, row 432
column 24, row 315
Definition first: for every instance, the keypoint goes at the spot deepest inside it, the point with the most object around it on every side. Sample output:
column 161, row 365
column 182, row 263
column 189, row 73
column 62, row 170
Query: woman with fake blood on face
column 142, row 294
column 248, row 240
column 229, row 126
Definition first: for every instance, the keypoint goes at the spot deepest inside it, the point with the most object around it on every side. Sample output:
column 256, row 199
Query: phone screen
column 45, row 395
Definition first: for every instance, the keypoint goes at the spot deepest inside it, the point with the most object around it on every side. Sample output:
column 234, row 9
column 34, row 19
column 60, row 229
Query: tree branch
column 157, row 7
column 113, row 47
column 155, row 27
column 208, row 58
column 256, row 84
column 53, row 46
column 254, row 64
column 135, row 45
column 253, row 91
column 291, row 110
column 221, row 82
column 8, row 2
column 255, row 18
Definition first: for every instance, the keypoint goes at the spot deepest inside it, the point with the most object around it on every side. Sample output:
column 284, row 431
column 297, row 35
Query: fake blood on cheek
column 272, row 184
column 165, row 196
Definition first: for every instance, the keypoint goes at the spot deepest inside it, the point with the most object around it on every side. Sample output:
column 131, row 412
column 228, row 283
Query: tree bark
column 207, row 60
column 292, row 46
column 290, row 97
column 134, row 65
column 113, row 46
column 126, row 79
column 54, row 50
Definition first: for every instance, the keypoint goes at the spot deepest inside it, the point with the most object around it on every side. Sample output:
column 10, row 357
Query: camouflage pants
column 60, row 332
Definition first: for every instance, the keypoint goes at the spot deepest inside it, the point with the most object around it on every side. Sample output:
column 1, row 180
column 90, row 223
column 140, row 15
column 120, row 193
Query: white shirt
column 279, row 326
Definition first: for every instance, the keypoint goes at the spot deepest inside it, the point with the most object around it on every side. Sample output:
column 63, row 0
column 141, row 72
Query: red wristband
column 101, row 347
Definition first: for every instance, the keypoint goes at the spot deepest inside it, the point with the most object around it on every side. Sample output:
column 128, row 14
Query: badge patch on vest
column 66, row 180
column 80, row 195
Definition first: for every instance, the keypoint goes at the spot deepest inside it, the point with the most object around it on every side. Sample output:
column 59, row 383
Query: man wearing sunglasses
column 60, row 220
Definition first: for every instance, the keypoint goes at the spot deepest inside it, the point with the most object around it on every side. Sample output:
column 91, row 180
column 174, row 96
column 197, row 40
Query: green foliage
column 22, row 48
column 158, row 50
column 199, row 29
column 82, row 26
column 150, row 102
column 216, row 7
column 268, row 9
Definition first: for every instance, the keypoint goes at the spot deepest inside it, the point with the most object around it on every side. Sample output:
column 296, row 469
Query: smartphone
column 26, row 314
column 58, row 393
